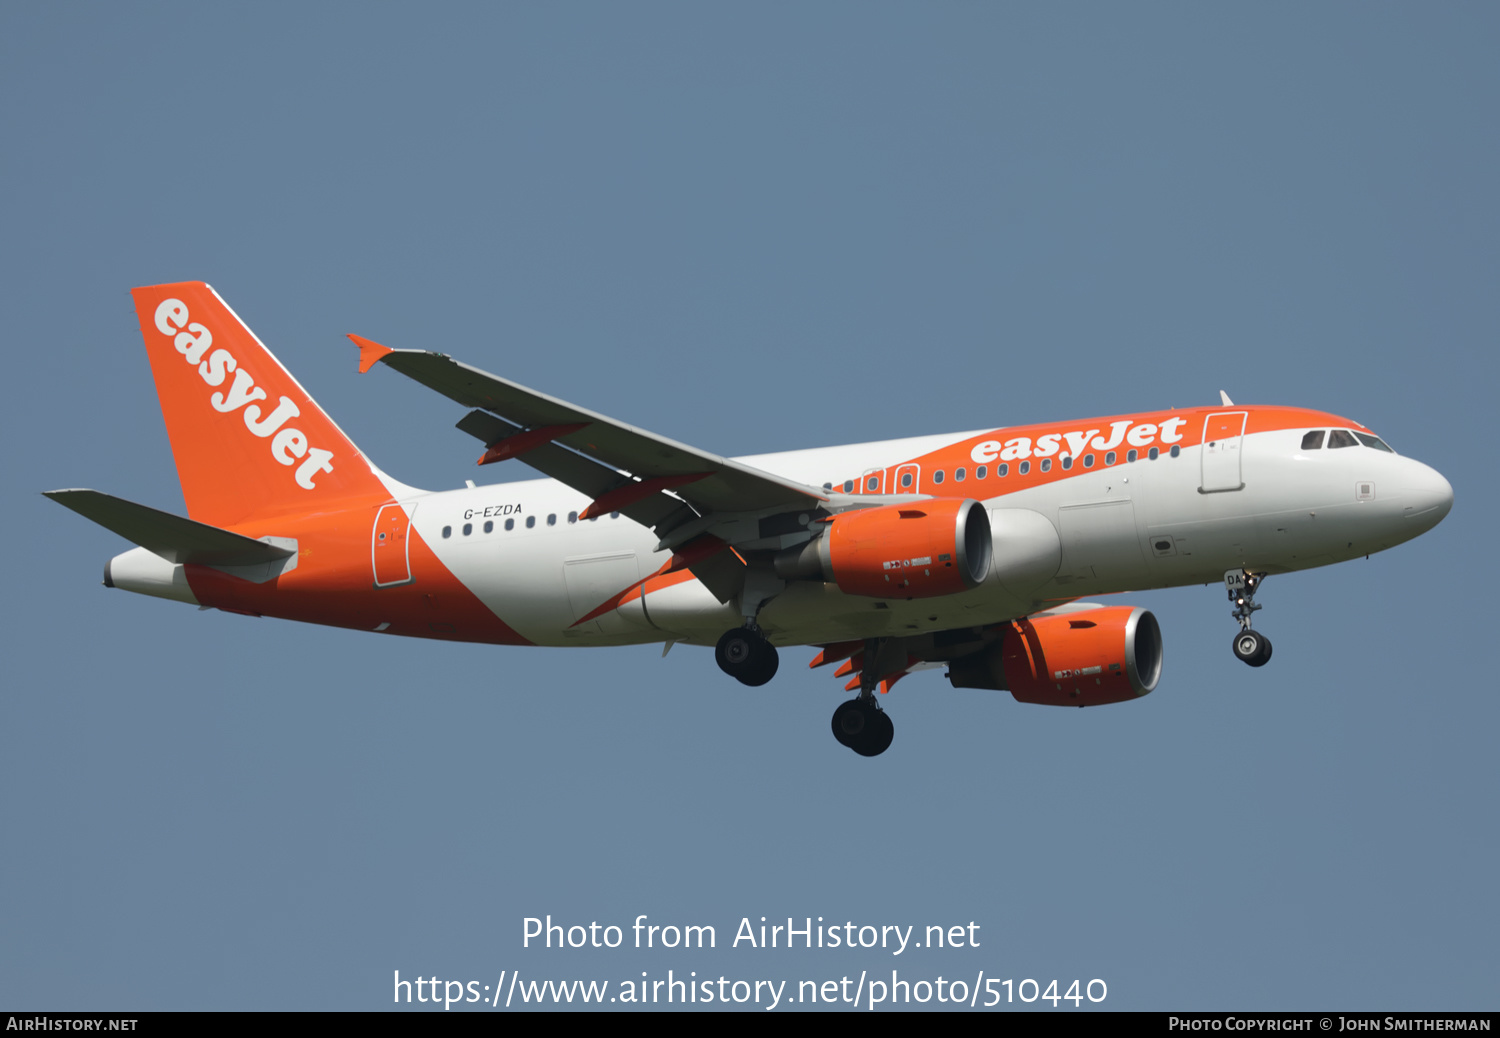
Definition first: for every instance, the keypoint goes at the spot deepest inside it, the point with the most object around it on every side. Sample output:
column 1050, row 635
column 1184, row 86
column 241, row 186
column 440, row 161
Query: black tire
column 849, row 722
column 746, row 656
column 1250, row 647
column 764, row 666
column 735, row 652
column 877, row 735
column 1265, row 653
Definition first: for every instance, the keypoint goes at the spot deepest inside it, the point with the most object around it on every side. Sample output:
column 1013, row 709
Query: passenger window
column 1088, row 461
column 1046, row 464
column 552, row 519
column 827, row 486
column 1374, row 441
column 1176, row 450
column 489, row 526
column 468, row 529
column 530, row 521
column 981, row 472
column 937, row 477
column 447, row 531
column 848, row 486
column 614, row 515
column 873, row 482
column 1153, row 453
column 1067, row 462
column 905, row 480
column 958, row 475
column 1025, row 467
column 1109, row 459
column 1341, row 438
column 510, row 524
column 1002, row 471
column 572, row 517
column 1313, row 441
column 1131, row 455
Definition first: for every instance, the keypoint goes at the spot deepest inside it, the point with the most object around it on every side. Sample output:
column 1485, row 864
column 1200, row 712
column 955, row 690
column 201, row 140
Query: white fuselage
column 1130, row 526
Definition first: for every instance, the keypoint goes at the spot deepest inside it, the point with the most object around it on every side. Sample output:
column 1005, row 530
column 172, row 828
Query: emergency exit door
column 389, row 549
column 1223, row 437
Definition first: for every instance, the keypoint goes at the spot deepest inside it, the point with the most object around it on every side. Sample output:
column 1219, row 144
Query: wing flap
column 582, row 474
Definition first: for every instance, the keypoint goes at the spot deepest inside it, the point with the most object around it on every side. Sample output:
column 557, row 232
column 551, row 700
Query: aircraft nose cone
column 1429, row 497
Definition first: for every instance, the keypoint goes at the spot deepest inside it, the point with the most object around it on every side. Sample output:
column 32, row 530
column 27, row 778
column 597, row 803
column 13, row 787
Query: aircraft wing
column 632, row 466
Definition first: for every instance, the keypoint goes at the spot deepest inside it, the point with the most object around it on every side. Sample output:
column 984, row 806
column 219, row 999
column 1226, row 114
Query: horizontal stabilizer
column 174, row 538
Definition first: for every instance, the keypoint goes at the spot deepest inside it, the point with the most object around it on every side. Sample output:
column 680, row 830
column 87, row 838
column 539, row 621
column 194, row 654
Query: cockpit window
column 1313, row 441
column 1374, row 441
column 1341, row 438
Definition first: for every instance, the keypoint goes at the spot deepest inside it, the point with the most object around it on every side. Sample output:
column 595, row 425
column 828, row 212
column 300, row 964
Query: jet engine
column 919, row 550
column 1109, row 654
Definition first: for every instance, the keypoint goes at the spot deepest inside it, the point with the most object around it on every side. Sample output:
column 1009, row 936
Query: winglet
column 370, row 353
column 1223, row 396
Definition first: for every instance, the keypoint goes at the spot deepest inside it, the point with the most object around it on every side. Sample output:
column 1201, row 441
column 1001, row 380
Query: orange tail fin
column 248, row 440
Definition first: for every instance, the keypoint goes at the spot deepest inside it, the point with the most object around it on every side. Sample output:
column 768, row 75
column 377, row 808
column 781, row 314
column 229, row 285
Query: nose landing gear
column 1250, row 646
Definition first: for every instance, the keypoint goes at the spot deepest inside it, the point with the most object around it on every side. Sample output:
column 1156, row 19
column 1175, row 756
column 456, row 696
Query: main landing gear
column 1250, row 646
column 745, row 655
column 863, row 727
column 859, row 723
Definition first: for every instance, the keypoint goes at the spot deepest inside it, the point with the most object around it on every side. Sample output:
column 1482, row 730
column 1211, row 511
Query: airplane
column 975, row 551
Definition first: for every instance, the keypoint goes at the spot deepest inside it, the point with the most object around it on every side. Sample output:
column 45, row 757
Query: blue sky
column 750, row 228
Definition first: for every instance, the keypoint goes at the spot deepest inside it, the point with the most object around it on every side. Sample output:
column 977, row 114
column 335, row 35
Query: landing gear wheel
column 1252, row 647
column 1265, row 655
column 745, row 655
column 766, row 665
column 863, row 727
column 849, row 722
column 877, row 736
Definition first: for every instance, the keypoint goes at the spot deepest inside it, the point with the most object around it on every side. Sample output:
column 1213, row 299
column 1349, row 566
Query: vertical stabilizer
column 247, row 438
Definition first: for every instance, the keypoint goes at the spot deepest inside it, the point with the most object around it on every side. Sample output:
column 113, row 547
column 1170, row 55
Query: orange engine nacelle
column 919, row 550
column 1093, row 656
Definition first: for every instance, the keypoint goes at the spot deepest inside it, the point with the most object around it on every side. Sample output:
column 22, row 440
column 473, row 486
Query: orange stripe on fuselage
column 662, row 578
column 1012, row 446
column 333, row 583
column 699, row 548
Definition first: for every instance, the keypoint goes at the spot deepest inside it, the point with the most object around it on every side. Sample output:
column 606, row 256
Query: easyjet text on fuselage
column 1126, row 431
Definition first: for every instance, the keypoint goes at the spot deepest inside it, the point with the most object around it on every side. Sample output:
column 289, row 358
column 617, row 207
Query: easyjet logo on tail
column 289, row 445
